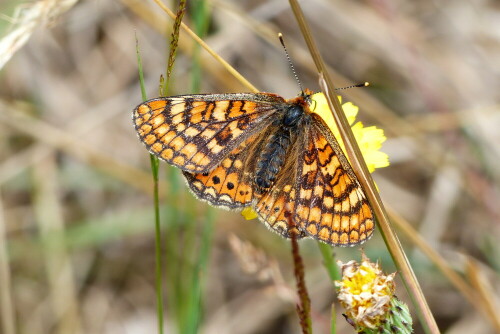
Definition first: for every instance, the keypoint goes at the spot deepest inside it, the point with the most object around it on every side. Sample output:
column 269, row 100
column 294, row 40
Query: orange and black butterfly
column 260, row 150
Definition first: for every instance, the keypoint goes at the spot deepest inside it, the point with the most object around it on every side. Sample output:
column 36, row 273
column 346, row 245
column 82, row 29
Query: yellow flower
column 369, row 139
column 365, row 292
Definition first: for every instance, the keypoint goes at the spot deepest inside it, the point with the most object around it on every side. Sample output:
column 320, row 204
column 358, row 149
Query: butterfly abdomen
column 271, row 159
column 274, row 153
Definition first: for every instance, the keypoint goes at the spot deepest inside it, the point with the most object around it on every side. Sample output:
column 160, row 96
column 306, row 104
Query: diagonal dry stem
column 460, row 284
column 366, row 181
column 59, row 139
column 484, row 290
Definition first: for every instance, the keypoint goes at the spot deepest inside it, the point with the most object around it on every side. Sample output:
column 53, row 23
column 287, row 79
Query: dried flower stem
column 304, row 307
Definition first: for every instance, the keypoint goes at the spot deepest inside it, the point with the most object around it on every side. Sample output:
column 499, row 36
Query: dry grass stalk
column 28, row 19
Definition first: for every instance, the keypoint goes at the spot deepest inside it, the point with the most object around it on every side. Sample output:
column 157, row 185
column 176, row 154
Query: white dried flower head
column 365, row 292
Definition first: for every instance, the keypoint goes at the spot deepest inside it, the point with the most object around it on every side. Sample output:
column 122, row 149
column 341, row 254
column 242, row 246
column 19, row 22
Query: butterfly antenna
column 280, row 36
column 364, row 84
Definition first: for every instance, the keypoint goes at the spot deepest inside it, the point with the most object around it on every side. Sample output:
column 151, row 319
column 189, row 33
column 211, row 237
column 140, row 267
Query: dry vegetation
column 76, row 214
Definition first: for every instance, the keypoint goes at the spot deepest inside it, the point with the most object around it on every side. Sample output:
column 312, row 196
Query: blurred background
column 77, row 242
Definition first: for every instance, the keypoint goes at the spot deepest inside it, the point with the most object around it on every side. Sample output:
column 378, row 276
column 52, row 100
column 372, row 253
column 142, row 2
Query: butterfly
column 260, row 150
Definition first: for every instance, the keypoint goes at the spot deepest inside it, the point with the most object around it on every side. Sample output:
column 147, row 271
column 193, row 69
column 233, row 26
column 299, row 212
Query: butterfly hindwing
column 275, row 209
column 195, row 132
column 228, row 185
column 330, row 203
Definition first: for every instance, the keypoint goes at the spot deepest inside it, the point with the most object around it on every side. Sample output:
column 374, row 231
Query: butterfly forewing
column 195, row 132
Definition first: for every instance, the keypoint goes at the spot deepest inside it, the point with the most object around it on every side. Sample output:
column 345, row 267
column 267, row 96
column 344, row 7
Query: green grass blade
column 329, row 261
column 333, row 324
column 154, row 171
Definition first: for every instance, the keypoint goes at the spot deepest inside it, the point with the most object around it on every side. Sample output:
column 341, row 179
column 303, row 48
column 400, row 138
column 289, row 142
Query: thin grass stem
column 201, row 253
column 7, row 313
column 333, row 324
column 154, row 172
column 329, row 261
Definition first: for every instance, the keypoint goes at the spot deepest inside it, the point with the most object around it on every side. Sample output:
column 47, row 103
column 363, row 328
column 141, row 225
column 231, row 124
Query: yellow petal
column 248, row 213
column 369, row 139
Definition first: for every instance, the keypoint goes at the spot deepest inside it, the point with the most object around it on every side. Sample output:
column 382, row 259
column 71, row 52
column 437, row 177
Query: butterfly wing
column 196, row 132
column 229, row 185
column 330, row 204
column 275, row 209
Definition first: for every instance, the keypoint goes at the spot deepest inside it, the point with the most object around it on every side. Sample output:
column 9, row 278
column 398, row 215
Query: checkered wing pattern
column 275, row 210
column 330, row 204
column 196, row 132
column 229, row 185
column 259, row 150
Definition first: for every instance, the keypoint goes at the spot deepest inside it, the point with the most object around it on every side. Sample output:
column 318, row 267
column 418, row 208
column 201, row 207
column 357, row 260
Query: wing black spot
column 216, row 179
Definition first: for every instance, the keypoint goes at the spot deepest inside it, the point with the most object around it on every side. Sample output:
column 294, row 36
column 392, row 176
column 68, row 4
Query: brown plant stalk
column 304, row 305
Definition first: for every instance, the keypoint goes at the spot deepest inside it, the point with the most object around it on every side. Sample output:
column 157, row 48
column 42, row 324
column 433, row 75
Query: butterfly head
column 306, row 94
column 303, row 101
column 306, row 97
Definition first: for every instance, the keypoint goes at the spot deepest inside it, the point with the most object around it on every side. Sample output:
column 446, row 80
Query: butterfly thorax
column 273, row 155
